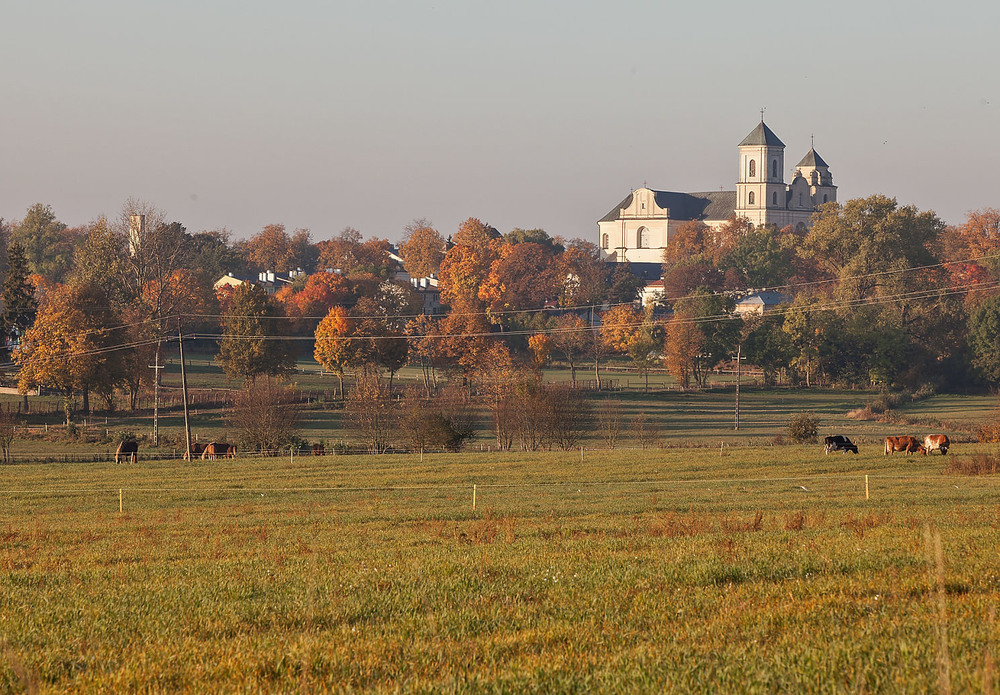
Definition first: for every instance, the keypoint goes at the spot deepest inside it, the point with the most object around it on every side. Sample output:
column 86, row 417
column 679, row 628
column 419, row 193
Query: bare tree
column 264, row 415
column 609, row 419
column 645, row 431
column 370, row 410
column 569, row 417
column 8, row 427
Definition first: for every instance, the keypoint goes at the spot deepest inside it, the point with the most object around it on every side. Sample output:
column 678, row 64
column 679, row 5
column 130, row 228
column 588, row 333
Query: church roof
column 762, row 135
column 712, row 205
column 812, row 159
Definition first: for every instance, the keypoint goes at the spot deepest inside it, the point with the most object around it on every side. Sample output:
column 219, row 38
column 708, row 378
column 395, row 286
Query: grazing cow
column 904, row 443
column 197, row 448
column 129, row 450
column 936, row 441
column 214, row 450
column 318, row 450
column 839, row 442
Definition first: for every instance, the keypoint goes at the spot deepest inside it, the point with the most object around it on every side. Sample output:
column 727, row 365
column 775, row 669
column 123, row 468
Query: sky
column 544, row 114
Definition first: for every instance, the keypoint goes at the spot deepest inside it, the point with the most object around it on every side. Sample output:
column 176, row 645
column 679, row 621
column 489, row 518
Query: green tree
column 625, row 286
column 720, row 331
column 760, row 257
column 47, row 242
column 19, row 303
column 984, row 338
column 253, row 343
column 766, row 345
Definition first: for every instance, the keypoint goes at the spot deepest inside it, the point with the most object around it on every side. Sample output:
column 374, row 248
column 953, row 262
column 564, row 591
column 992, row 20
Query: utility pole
column 156, row 396
column 184, row 391
column 739, row 350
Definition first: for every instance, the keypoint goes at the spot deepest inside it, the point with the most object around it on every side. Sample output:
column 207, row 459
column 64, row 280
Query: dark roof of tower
column 712, row 205
column 812, row 159
column 762, row 135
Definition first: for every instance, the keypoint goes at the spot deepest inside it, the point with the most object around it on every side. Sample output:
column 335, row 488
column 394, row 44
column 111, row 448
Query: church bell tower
column 760, row 188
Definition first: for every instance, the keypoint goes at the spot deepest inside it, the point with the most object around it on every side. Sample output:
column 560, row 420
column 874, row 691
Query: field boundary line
column 493, row 486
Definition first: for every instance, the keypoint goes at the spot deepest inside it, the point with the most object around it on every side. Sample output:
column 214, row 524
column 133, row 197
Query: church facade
column 638, row 229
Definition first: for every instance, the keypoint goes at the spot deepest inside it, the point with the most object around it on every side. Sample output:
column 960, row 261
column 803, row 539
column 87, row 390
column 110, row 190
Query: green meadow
column 744, row 568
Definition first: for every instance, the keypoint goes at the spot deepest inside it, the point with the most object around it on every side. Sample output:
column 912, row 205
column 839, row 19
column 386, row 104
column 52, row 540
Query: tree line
column 880, row 295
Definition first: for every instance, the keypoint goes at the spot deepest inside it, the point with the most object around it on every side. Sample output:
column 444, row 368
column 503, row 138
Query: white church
column 638, row 228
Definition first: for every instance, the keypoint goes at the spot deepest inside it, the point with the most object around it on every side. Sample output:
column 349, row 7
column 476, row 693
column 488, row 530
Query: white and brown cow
column 936, row 441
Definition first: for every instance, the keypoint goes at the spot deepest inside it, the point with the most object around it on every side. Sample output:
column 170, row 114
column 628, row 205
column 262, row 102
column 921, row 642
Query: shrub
column 803, row 428
column 977, row 464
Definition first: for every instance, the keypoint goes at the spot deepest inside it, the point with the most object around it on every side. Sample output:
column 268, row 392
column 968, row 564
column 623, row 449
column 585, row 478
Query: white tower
column 760, row 188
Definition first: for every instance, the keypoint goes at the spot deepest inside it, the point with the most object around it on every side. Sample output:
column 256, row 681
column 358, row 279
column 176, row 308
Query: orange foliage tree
column 422, row 249
column 335, row 348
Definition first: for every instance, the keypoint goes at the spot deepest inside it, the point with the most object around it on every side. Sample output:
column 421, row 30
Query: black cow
column 839, row 442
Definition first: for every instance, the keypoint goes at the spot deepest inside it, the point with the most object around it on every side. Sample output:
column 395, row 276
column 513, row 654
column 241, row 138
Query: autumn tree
column 689, row 241
column 271, row 249
column 335, row 348
column 521, row 278
column 423, row 249
column 463, row 272
column 341, row 253
column 71, row 347
column 254, row 343
column 321, row 292
column 682, row 344
column 540, row 345
column 425, row 348
column 475, row 233
column 581, row 275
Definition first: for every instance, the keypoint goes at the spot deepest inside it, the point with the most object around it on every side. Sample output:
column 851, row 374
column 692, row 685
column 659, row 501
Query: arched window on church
column 642, row 237
column 800, row 200
column 774, row 168
column 753, row 168
column 774, row 198
column 750, row 198
column 824, row 197
column 604, row 241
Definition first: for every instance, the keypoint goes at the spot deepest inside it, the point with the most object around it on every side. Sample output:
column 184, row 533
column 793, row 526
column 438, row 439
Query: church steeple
column 761, row 186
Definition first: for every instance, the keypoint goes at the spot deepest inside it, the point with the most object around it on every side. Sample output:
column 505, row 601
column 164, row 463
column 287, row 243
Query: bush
column 977, row 464
column 803, row 428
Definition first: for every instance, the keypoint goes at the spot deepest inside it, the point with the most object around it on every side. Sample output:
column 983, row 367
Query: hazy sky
column 326, row 114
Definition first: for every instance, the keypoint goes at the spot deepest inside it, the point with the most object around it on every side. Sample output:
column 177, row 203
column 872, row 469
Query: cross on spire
column 762, row 110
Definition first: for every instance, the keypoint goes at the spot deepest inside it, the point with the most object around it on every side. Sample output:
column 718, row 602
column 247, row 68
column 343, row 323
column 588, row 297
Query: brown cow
column 129, row 450
column 196, row 449
column 214, row 450
column 318, row 450
column 904, row 443
column 936, row 441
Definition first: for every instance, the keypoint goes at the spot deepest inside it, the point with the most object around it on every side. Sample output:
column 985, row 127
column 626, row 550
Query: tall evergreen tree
column 19, row 304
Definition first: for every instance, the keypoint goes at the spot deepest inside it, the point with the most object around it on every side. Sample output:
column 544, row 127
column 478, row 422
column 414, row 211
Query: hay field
column 683, row 570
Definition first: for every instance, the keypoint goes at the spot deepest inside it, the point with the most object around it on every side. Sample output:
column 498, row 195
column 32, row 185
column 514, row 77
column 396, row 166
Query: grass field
column 753, row 569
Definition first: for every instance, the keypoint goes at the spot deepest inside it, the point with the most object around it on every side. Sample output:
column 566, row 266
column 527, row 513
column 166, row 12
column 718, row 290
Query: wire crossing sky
column 322, row 115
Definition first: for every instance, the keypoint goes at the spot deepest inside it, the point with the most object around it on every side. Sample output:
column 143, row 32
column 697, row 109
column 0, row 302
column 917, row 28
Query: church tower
column 816, row 173
column 760, row 189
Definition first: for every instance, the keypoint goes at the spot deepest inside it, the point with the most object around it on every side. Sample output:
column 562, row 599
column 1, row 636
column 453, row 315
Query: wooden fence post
column 866, row 486
column 473, row 497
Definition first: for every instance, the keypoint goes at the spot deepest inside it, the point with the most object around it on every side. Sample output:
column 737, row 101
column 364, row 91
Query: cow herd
column 904, row 443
